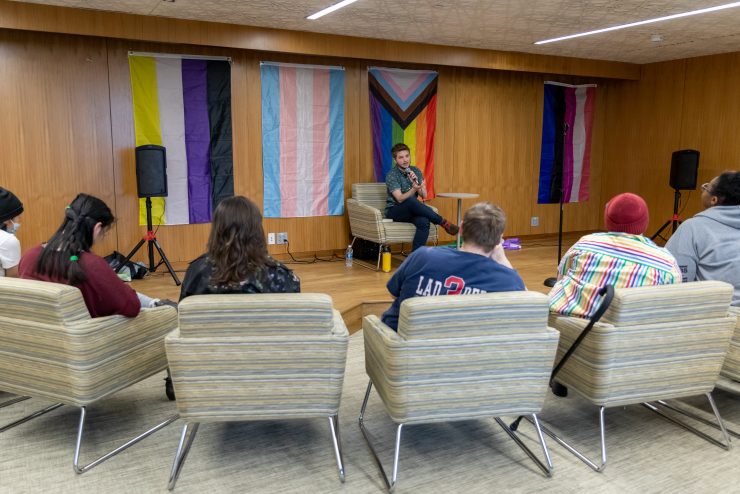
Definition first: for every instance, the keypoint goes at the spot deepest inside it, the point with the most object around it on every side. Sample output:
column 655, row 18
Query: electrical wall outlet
column 282, row 238
column 535, row 221
column 270, row 239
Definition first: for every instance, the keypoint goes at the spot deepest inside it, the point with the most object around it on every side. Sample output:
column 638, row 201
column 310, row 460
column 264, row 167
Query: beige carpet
column 646, row 453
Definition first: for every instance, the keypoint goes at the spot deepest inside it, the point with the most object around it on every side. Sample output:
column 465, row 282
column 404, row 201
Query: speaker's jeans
column 413, row 211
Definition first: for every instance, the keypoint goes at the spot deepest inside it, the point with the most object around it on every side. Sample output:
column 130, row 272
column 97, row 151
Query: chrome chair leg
column 389, row 483
column 75, row 462
column 602, row 433
column 546, row 469
column 399, row 430
column 726, row 445
column 337, row 442
column 541, row 437
column 13, row 401
column 32, row 416
column 183, row 448
column 691, row 411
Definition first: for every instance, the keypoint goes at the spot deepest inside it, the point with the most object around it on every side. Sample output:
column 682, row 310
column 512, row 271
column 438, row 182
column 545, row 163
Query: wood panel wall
column 81, row 139
column 683, row 104
column 67, row 127
column 56, row 127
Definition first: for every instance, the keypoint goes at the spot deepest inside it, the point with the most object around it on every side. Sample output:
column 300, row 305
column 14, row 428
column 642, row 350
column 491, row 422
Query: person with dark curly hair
column 707, row 246
column 66, row 259
column 237, row 260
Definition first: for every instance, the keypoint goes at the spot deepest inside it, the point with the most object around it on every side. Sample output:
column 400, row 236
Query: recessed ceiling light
column 641, row 23
column 329, row 10
column 656, row 38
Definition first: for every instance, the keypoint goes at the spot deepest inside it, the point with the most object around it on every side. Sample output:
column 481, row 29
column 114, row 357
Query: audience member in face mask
column 11, row 209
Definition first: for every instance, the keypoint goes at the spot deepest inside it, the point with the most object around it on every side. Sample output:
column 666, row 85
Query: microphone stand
column 550, row 282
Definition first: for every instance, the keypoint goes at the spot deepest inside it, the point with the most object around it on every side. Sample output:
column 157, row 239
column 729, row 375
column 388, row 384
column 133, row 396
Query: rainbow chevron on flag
column 403, row 108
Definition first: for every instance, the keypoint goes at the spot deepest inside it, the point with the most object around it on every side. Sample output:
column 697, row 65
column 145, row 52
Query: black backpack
column 137, row 270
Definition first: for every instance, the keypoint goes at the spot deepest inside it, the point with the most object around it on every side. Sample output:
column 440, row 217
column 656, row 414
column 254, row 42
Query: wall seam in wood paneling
column 681, row 104
column 112, row 145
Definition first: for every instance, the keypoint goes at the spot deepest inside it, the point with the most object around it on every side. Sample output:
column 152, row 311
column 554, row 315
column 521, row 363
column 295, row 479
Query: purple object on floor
column 512, row 244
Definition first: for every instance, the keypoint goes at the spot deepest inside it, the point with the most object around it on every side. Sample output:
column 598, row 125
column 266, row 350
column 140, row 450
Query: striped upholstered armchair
column 731, row 368
column 366, row 210
column 730, row 375
column 51, row 349
column 653, row 344
column 460, row 358
column 257, row 357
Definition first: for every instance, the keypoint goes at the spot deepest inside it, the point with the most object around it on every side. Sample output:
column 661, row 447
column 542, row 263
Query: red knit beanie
column 627, row 213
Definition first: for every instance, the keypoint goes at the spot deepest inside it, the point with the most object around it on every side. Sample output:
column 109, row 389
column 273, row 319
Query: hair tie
column 73, row 258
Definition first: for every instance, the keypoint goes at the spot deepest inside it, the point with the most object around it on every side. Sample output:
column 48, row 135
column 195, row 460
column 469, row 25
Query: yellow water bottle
column 385, row 259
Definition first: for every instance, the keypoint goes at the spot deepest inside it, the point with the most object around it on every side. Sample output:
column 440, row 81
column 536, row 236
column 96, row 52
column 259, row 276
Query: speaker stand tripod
column 674, row 221
column 151, row 240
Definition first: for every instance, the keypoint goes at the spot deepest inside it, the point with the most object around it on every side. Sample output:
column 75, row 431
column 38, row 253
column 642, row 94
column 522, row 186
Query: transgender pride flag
column 302, row 140
column 565, row 159
column 184, row 104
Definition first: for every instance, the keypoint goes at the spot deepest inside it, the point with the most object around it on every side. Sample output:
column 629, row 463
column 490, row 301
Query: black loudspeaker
column 684, row 168
column 151, row 171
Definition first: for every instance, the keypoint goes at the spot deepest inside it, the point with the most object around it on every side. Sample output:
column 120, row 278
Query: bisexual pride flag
column 403, row 108
column 184, row 104
column 302, row 140
column 565, row 159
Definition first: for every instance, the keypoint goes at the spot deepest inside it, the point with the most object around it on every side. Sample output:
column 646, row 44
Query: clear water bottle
column 348, row 256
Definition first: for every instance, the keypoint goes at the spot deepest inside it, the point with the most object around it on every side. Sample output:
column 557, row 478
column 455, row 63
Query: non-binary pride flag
column 403, row 108
column 184, row 104
column 565, row 159
column 302, row 140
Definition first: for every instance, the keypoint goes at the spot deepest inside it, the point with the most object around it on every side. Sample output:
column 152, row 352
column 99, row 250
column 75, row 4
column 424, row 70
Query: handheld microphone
column 411, row 176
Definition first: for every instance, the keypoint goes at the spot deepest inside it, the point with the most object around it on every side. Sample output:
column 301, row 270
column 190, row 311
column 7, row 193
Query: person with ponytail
column 66, row 259
column 237, row 260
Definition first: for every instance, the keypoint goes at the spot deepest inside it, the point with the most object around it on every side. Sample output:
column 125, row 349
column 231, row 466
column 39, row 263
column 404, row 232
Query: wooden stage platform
column 358, row 291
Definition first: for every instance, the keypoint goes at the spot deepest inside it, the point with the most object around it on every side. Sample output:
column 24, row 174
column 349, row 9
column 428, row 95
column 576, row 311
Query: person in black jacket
column 237, row 260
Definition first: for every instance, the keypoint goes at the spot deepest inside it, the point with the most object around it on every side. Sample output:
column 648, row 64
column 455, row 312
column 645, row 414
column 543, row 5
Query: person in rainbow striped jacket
column 622, row 257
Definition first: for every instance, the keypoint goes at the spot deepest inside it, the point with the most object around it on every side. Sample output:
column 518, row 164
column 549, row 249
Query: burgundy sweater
column 104, row 292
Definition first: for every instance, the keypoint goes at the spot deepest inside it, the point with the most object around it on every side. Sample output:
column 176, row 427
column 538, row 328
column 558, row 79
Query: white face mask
column 13, row 228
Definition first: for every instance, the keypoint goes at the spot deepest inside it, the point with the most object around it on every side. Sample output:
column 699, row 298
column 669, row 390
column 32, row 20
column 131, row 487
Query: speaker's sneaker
column 450, row 228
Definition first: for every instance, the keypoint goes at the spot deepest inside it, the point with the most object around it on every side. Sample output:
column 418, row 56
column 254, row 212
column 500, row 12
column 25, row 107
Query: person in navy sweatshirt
column 480, row 266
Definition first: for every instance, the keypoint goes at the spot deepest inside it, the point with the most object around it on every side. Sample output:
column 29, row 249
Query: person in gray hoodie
column 707, row 246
